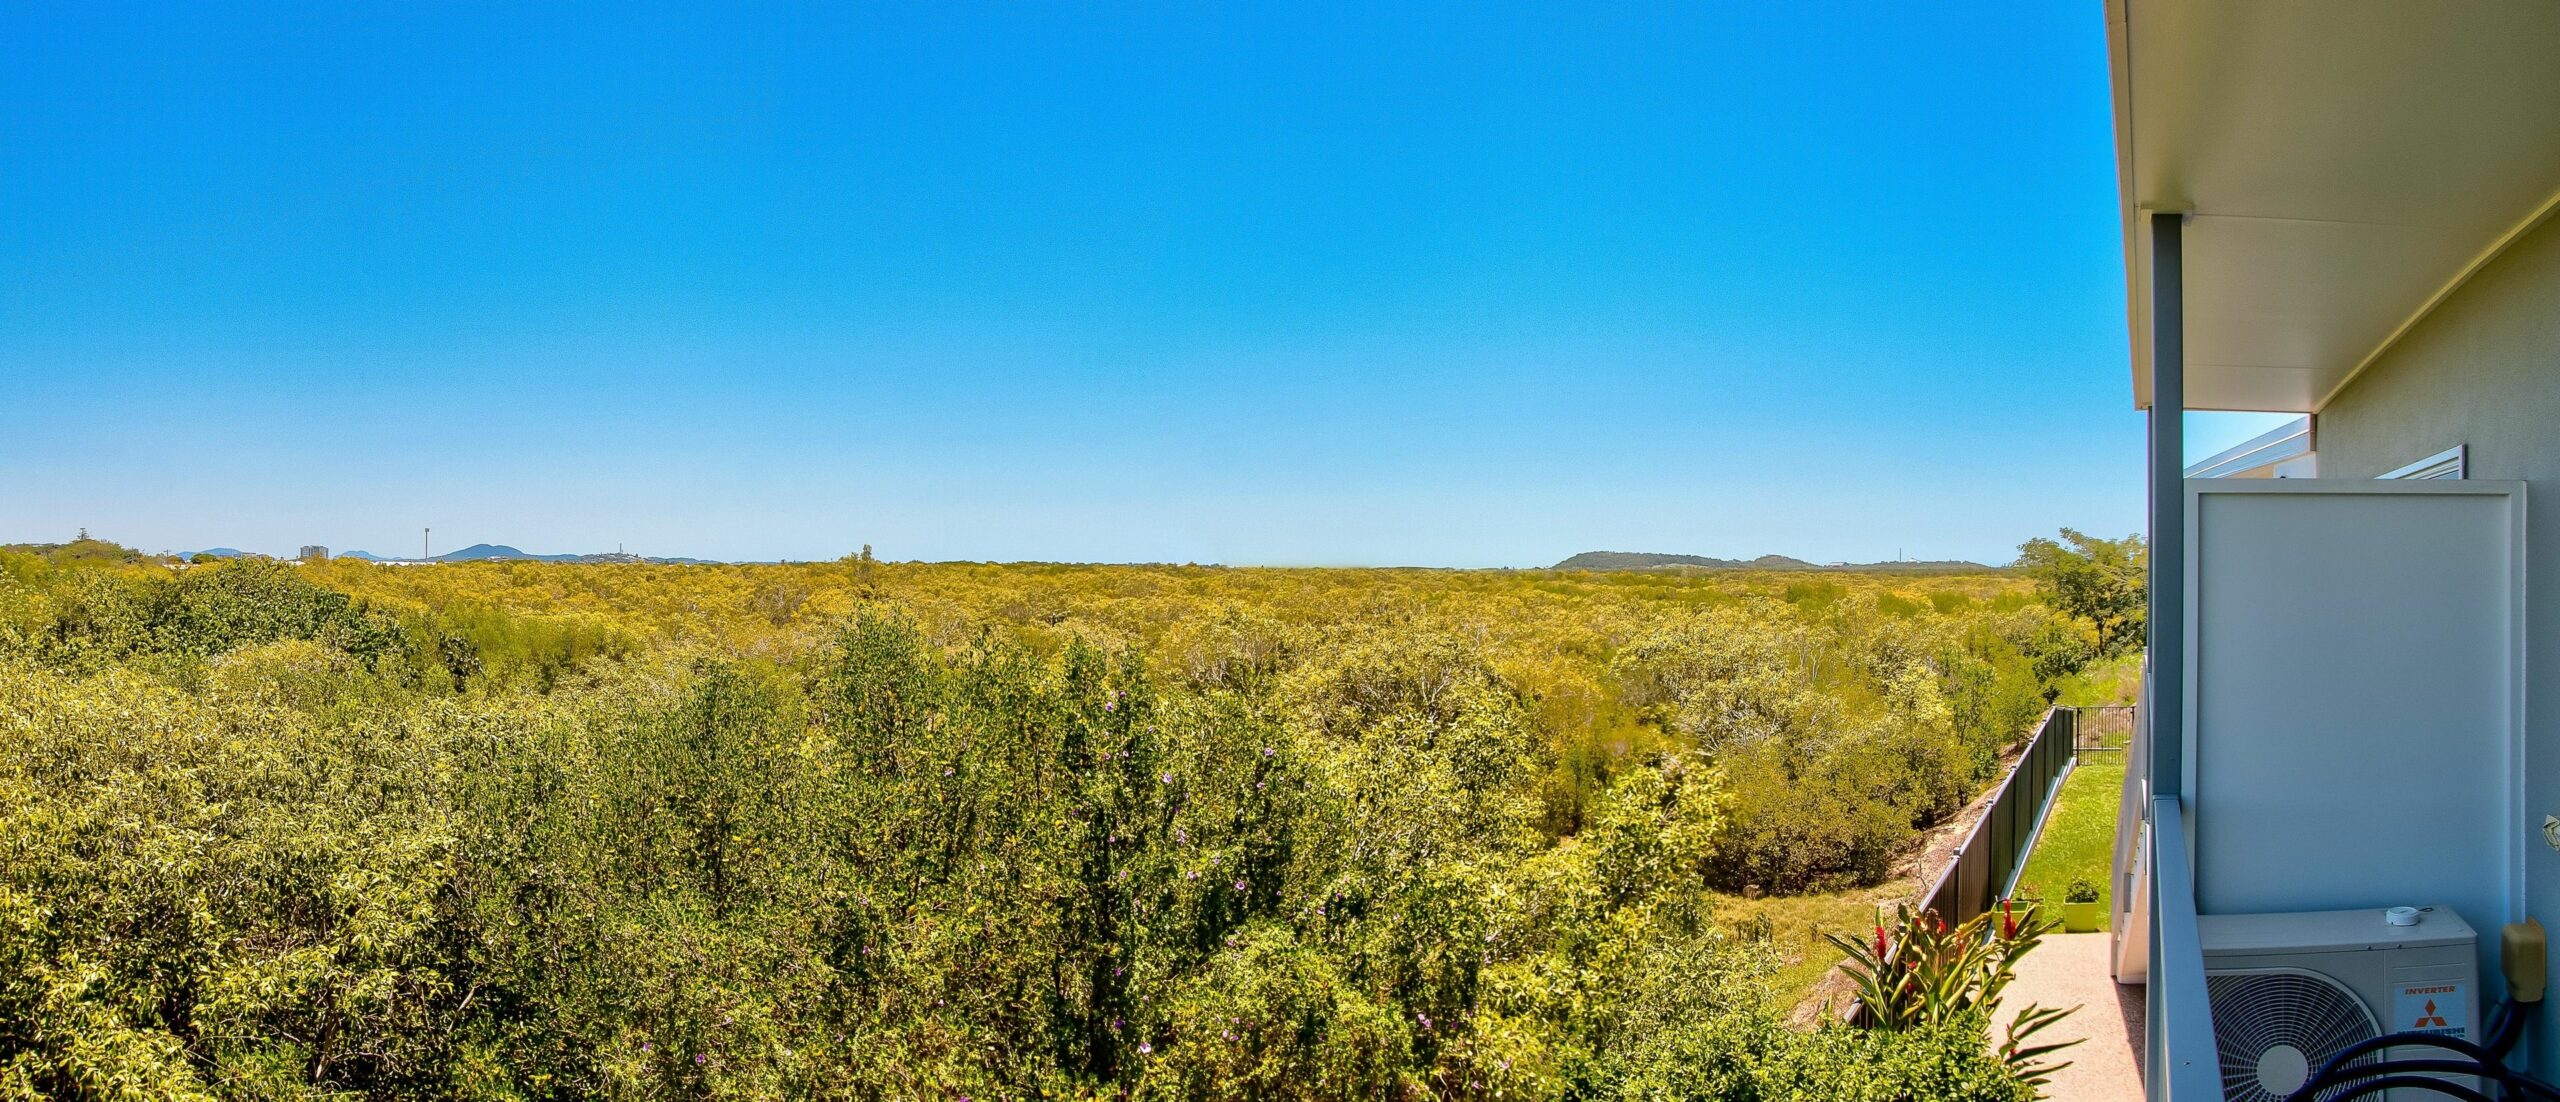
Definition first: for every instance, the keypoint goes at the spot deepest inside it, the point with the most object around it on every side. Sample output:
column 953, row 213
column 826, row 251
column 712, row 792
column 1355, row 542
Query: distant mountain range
column 1643, row 560
column 499, row 552
column 479, row 551
column 1588, row 560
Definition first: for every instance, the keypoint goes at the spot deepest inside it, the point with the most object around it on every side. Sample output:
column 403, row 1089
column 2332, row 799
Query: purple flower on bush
column 697, row 1059
column 1144, row 1048
column 1239, row 885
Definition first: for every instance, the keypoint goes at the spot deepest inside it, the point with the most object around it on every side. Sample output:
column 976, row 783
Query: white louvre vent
column 2276, row 1027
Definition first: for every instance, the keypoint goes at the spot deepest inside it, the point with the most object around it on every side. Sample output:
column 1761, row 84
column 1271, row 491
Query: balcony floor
column 2071, row 970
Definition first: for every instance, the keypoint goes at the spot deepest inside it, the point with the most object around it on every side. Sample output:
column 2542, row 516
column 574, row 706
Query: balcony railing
column 2132, row 895
column 2157, row 943
column 2183, row 1064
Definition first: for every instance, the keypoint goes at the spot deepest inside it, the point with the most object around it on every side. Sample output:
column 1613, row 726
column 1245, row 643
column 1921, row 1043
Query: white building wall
column 2354, row 664
column 2483, row 370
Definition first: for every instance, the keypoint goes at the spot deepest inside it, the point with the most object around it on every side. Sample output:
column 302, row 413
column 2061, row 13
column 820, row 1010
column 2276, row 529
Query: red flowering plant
column 1917, row 972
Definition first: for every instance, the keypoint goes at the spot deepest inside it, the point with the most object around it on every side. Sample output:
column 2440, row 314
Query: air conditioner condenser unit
column 2290, row 991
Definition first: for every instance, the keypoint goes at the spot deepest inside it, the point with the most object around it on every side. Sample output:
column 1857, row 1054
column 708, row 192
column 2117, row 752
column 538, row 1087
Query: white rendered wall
column 2483, row 370
column 2354, row 702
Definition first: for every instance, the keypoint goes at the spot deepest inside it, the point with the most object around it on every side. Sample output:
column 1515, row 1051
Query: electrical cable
column 2505, row 1029
column 2409, row 1040
column 2413, row 1082
column 2513, row 1083
column 2487, row 1062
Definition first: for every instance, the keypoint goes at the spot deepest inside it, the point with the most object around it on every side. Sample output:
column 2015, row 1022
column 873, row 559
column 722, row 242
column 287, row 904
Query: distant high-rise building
column 312, row 552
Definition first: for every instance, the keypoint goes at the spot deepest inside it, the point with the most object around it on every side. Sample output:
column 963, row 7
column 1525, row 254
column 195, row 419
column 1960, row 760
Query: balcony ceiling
column 2346, row 164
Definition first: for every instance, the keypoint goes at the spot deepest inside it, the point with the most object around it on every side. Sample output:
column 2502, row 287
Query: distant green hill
column 1640, row 560
column 480, row 551
column 1646, row 560
column 499, row 552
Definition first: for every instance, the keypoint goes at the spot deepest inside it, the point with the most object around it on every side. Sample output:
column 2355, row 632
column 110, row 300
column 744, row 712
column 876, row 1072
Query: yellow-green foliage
column 864, row 830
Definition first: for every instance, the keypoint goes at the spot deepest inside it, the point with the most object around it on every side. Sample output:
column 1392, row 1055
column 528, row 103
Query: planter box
column 2082, row 918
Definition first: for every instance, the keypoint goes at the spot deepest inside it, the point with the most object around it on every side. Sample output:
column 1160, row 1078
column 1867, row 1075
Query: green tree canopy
column 2100, row 581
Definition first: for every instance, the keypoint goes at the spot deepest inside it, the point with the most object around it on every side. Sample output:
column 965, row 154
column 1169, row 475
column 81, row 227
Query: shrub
column 526, row 831
column 1924, row 975
column 1808, row 825
column 1269, row 1018
column 1751, row 1057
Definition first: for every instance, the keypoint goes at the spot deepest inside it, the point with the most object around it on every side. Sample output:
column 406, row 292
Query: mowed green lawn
column 2079, row 838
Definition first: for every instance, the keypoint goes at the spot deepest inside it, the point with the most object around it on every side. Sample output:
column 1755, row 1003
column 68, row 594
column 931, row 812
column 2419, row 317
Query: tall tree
column 2096, row 580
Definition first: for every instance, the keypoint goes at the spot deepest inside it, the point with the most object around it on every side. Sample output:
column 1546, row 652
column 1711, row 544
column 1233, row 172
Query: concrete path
column 2071, row 970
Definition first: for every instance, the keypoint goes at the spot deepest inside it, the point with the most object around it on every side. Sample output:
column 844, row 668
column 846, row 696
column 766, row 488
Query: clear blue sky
column 1458, row 284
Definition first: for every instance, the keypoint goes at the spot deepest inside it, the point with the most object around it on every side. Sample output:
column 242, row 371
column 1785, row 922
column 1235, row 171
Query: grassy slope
column 1796, row 925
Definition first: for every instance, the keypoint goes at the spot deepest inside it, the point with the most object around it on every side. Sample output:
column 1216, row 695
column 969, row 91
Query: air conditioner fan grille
column 2274, row 1026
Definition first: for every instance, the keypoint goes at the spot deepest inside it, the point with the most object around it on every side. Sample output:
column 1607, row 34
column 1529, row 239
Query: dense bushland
column 867, row 830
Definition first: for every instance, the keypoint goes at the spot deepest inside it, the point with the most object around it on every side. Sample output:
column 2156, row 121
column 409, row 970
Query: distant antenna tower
column 426, row 539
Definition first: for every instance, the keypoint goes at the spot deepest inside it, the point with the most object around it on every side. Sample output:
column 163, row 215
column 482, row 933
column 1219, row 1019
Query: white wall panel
column 2353, row 716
